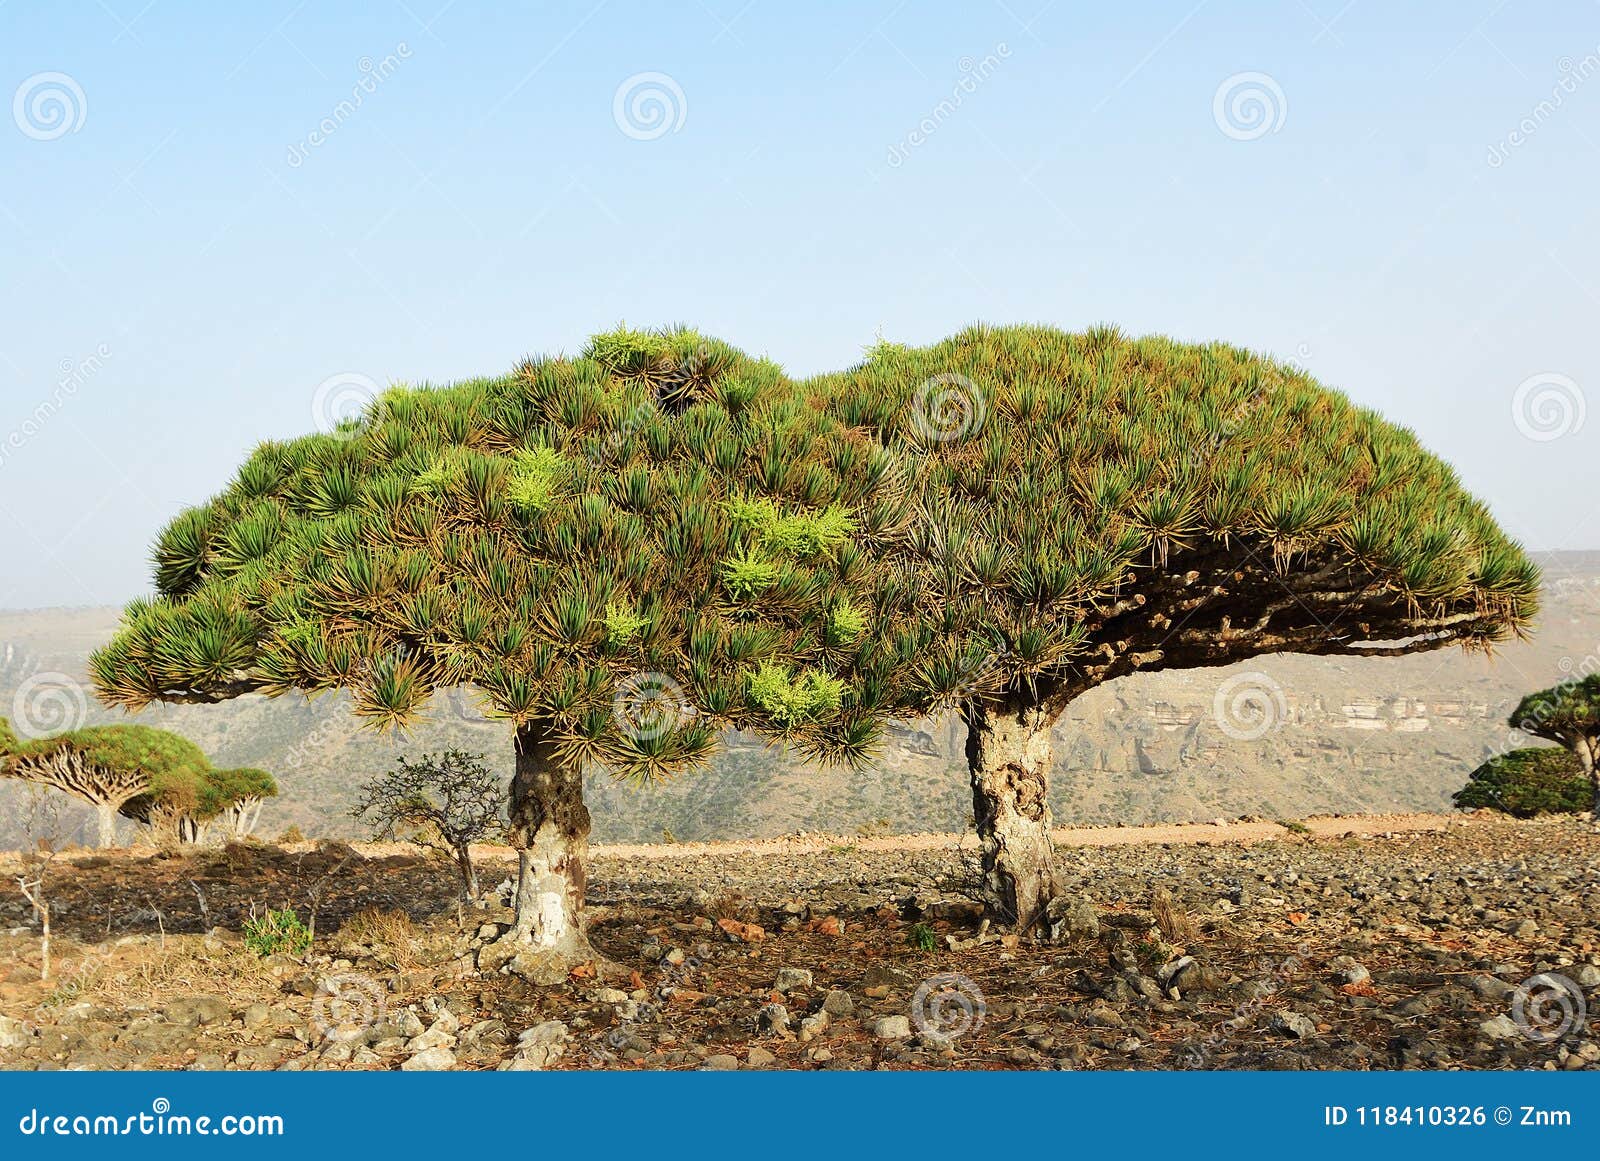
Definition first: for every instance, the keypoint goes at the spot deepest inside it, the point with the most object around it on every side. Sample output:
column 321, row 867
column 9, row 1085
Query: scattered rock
column 1294, row 1024
column 540, row 1047
column 790, row 979
column 742, row 932
column 813, row 1026
column 892, row 1028
column 14, row 1033
column 1071, row 919
column 1349, row 970
column 773, row 1019
column 191, row 1011
column 430, row 1060
column 1501, row 1027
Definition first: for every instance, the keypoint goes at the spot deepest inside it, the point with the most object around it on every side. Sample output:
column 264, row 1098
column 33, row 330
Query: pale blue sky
column 163, row 238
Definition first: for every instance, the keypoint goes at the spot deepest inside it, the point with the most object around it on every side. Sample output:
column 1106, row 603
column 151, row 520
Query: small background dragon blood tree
column 1568, row 714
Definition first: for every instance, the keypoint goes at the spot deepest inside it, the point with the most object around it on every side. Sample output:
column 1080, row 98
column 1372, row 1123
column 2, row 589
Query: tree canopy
column 661, row 518
column 1568, row 713
column 1528, row 782
column 159, row 758
column 1092, row 504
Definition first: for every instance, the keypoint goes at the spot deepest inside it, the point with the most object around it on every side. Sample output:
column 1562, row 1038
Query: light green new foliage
column 543, row 536
column 623, row 625
column 1092, row 504
column 799, row 534
column 795, row 700
column 748, row 575
column 535, row 476
column 846, row 623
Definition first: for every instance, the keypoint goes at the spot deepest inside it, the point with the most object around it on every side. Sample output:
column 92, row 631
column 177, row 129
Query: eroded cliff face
column 1279, row 737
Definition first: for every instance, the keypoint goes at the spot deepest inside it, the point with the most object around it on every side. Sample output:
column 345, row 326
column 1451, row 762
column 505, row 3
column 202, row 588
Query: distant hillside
column 1353, row 735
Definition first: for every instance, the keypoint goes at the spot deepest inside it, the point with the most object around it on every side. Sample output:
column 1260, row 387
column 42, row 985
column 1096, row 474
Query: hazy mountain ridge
column 1348, row 735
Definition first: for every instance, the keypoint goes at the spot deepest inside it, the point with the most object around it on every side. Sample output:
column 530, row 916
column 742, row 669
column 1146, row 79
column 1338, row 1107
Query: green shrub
column 922, row 937
column 1523, row 783
column 275, row 932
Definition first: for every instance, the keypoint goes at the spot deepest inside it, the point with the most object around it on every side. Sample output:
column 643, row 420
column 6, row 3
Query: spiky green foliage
column 8, row 739
column 662, row 504
column 1568, row 713
column 1091, row 505
column 1524, row 783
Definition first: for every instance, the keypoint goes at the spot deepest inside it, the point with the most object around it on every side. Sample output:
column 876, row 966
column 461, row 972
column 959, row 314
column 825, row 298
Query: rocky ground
column 1270, row 949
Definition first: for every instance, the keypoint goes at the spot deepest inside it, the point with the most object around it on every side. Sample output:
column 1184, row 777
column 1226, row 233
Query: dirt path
column 1197, row 834
column 1181, row 834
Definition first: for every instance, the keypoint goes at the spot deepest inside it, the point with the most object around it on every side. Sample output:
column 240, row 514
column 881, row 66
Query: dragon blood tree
column 107, row 767
column 1094, row 506
column 232, row 799
column 620, row 553
column 186, row 807
column 1567, row 713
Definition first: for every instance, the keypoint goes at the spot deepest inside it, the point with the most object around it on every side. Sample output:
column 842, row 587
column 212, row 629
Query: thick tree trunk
column 1008, row 758
column 550, row 829
column 1585, row 750
column 105, row 824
